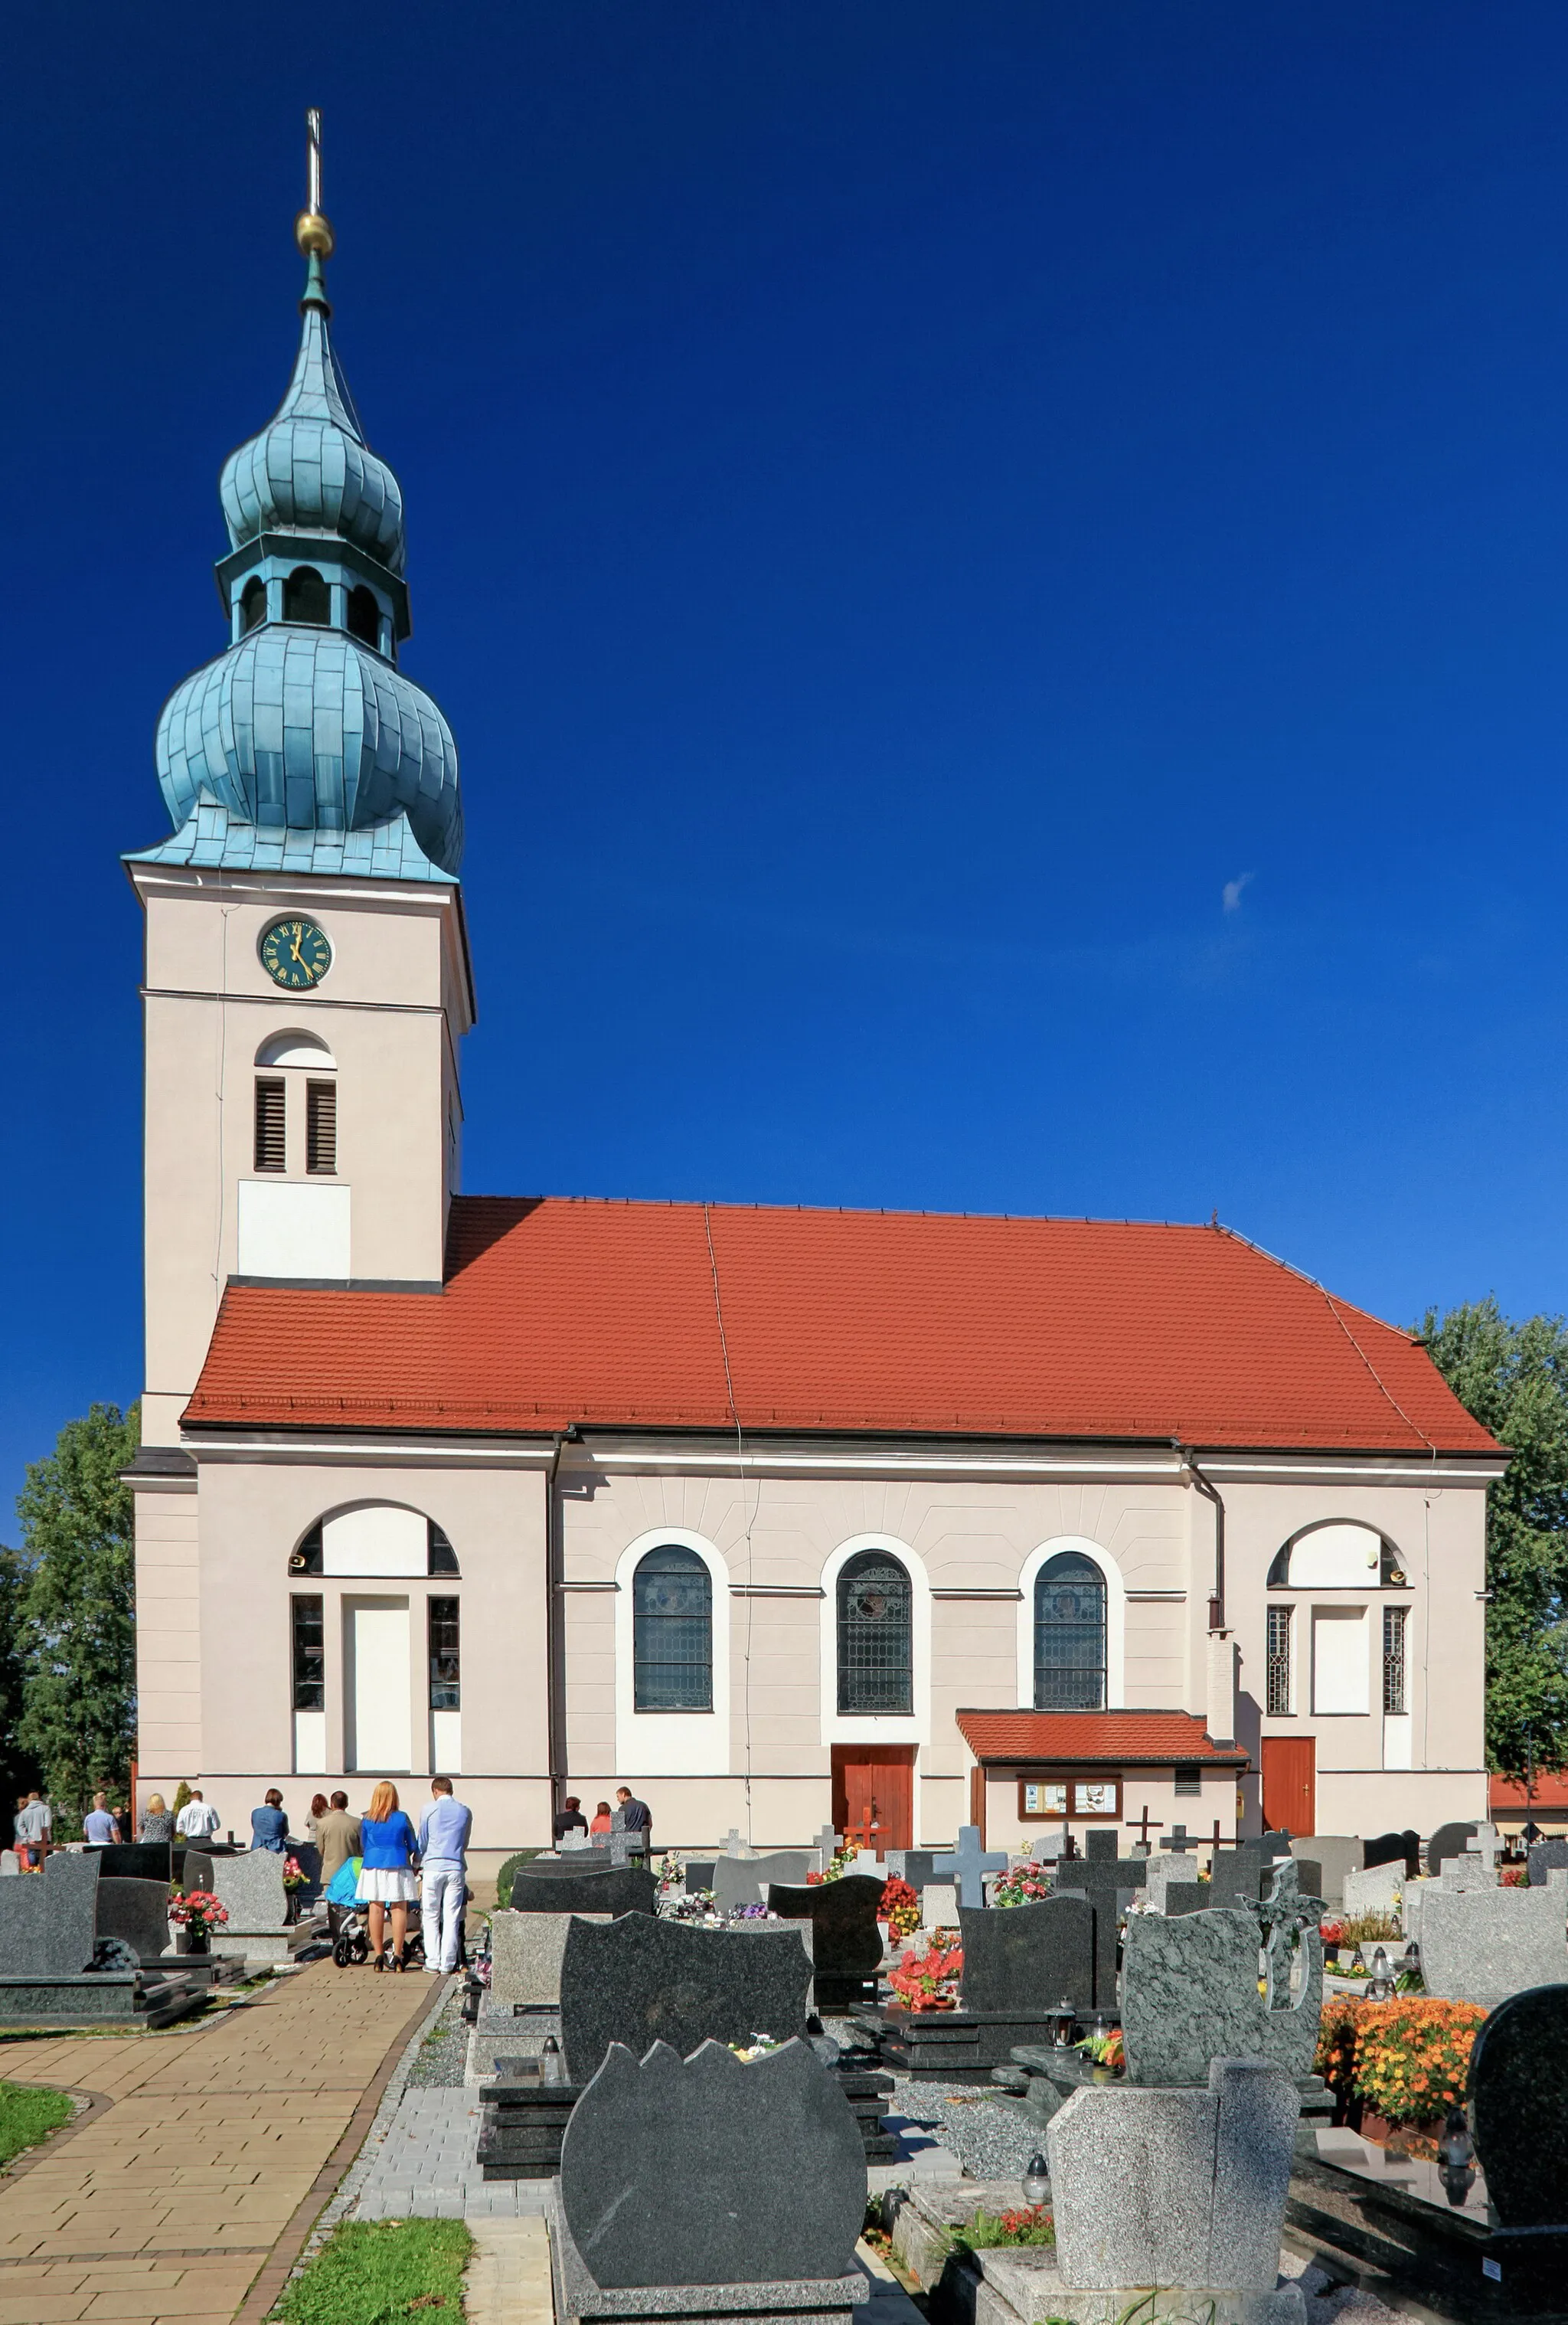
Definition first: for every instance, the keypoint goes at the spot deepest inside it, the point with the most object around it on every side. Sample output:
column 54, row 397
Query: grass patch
column 28, row 2114
column 380, row 2271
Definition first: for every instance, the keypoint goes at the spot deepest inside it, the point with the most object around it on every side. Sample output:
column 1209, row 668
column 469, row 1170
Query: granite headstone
column 1334, row 1855
column 744, row 1880
column 1394, row 1848
column 1518, row 2105
column 1020, row 1960
column 913, row 1865
column 1189, row 1996
column 938, row 1907
column 136, row 1860
column 1484, row 1945
column 251, row 1885
column 49, row 1920
column 525, row 1957
column 847, row 1939
column 1182, row 2188
column 1448, row 1840
column 1546, row 1857
column 709, row 2171
column 639, row 1980
column 1378, row 1890
column 611, row 1889
column 138, row 1912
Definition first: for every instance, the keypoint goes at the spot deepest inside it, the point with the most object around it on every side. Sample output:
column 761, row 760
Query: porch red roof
column 1077, row 1739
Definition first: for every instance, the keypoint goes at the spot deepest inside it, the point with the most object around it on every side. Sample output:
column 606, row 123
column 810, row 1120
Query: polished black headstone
column 196, row 1871
column 699, row 1872
column 612, row 1889
column 1518, row 2107
column 1448, row 1840
column 707, row 2171
column 639, row 1980
column 1109, row 1881
column 1395, row 1848
column 847, row 1945
column 135, row 1860
column 914, row 1866
column 137, row 1912
column 1021, row 1960
column 49, row 1920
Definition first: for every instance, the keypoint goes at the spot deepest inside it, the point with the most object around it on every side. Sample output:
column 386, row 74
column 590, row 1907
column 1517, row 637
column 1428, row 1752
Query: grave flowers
column 671, row 1872
column 1406, row 2061
column 196, row 1914
column 928, row 1981
column 1022, row 1884
column 839, row 1863
column 900, row 1907
column 1105, row 2051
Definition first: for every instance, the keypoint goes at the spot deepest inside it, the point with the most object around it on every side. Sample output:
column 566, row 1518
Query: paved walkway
column 222, row 2145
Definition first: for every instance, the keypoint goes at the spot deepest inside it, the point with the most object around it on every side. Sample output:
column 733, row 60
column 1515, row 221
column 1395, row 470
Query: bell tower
column 307, row 982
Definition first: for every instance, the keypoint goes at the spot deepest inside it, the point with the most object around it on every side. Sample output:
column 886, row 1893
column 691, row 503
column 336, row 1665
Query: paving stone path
column 195, row 2187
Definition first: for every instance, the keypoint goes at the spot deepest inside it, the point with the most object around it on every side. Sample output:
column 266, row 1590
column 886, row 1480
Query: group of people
column 636, row 1816
column 104, row 1826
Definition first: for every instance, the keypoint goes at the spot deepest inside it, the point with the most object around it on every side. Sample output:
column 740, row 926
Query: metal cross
column 1143, row 1824
column 970, row 1864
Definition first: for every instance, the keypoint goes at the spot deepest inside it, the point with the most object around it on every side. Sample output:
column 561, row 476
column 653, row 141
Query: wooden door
column 874, row 1785
column 1290, row 1784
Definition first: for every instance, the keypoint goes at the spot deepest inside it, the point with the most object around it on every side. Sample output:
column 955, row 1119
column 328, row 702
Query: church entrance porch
column 873, row 1786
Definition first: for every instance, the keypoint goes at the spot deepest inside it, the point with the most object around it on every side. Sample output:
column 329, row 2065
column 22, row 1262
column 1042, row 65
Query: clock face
column 296, row 954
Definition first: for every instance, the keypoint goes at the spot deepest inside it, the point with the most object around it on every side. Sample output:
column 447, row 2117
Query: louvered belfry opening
column 271, row 1148
column 321, row 1127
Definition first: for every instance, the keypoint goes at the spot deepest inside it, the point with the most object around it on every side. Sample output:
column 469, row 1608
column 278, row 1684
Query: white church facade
column 773, row 1515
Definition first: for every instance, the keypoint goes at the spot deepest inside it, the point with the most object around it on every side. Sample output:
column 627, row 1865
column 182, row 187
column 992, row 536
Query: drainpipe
column 554, row 1677
column 1221, row 1676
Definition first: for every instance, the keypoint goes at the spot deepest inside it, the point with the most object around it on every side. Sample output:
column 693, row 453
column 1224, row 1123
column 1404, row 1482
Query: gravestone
column 1111, row 1882
column 9, row 1862
column 708, row 2172
column 826, row 1845
column 49, row 1921
column 138, row 1912
column 1241, row 1876
column 735, row 1846
column 1020, row 1961
column 969, row 1864
column 639, row 1980
column 251, row 1885
column 1189, row 1996
column 1394, row 1848
column 1485, row 1945
column 1182, row 2188
column 1378, row 1890
column 1170, row 1876
column 1335, row 1856
column 915, row 1866
column 939, row 1906
column 1518, row 2107
column 699, row 1873
column 744, row 1880
column 574, row 1839
column 525, row 1957
column 611, row 1889
column 1448, row 1840
column 135, row 1860
column 847, row 1940
column 1546, row 1856
column 57, row 1969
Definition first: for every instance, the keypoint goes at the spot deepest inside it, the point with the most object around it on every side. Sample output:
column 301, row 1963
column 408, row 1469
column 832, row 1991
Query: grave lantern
column 1037, row 2180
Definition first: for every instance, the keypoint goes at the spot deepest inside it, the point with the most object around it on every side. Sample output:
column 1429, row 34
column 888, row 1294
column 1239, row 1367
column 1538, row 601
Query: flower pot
column 191, row 1941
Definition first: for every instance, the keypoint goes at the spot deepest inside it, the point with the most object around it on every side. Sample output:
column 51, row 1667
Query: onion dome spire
column 306, row 725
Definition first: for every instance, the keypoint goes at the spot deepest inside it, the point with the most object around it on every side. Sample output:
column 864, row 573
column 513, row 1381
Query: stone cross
column 1282, row 1912
column 1486, row 1845
column 1180, row 1839
column 1143, row 1824
column 735, row 1846
column 970, row 1864
column 826, row 1847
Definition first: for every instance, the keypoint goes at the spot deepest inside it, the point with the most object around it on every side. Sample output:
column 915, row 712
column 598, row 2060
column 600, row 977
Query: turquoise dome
column 306, row 728
column 310, row 470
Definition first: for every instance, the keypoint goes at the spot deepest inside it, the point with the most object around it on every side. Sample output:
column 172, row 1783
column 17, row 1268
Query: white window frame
column 671, row 1743
column 878, row 1726
column 1115, row 1618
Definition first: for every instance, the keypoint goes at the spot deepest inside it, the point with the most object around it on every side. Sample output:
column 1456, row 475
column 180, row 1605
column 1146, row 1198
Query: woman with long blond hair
column 386, row 1876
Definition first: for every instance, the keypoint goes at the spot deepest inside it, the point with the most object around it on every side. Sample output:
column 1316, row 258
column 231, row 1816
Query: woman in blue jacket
column 387, row 1876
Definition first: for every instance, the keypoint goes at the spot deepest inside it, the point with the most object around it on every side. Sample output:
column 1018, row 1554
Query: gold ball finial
column 314, row 234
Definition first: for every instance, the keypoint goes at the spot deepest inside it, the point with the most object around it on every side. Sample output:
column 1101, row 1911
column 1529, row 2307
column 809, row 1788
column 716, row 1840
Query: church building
column 774, row 1515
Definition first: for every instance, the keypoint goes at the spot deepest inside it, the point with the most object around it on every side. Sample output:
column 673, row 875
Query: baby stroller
column 349, row 1922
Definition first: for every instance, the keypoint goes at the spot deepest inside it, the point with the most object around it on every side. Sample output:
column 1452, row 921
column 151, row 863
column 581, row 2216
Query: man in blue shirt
column 443, row 1841
column 98, row 1827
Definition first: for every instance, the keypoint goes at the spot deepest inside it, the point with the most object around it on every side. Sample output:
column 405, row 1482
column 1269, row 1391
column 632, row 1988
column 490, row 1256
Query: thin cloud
column 1231, row 895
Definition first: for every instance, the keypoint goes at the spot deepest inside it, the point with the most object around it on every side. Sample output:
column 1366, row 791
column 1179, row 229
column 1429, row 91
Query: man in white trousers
column 443, row 1843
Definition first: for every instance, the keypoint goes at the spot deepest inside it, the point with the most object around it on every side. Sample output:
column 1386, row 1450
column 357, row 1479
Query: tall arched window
column 252, row 605
column 672, row 1631
column 874, row 1659
column 1069, row 1635
column 363, row 615
column 305, row 597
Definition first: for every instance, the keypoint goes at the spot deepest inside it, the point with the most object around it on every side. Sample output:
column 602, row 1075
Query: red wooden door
column 1290, row 1784
column 874, row 1784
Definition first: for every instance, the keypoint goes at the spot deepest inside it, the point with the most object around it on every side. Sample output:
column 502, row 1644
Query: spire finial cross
column 313, row 159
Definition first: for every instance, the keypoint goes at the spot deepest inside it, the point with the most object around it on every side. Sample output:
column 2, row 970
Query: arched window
column 363, row 615
column 1069, row 1635
column 305, row 597
column 252, row 605
column 874, row 1659
column 1337, row 1556
column 442, row 1556
column 672, row 1631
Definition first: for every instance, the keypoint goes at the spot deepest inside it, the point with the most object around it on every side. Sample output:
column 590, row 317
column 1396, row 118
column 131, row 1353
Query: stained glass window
column 1069, row 1635
column 672, row 1631
column 874, row 1658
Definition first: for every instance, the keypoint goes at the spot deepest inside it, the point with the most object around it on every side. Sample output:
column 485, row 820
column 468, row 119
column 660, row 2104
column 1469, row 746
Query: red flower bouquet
column 928, row 1981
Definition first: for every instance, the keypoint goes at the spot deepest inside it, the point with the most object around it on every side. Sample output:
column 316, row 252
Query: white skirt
column 395, row 1886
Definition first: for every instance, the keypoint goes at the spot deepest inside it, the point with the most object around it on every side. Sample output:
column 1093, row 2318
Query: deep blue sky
column 907, row 502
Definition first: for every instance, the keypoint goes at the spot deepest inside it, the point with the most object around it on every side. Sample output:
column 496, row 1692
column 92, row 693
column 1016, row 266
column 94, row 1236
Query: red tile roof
column 557, row 1311
column 1548, row 1792
column 1073, row 1738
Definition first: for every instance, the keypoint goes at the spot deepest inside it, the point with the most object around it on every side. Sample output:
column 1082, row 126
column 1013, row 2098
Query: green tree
column 1514, row 1378
column 19, row 1769
column 78, row 1608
